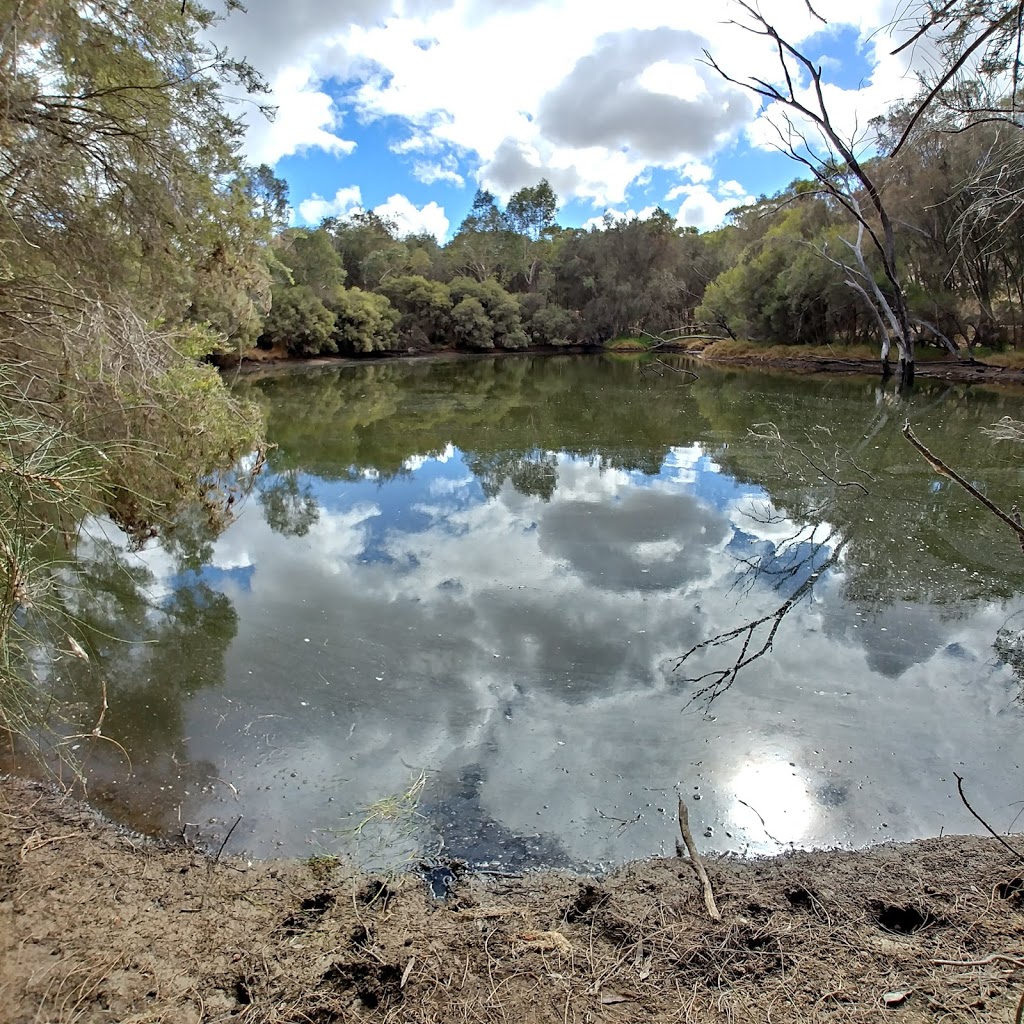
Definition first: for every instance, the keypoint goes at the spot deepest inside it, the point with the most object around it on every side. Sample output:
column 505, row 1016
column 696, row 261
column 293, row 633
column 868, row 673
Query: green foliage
column 299, row 322
column 471, row 324
column 357, row 239
column 366, row 322
column 531, row 210
column 545, row 322
column 499, row 307
column 133, row 242
column 425, row 308
column 313, row 262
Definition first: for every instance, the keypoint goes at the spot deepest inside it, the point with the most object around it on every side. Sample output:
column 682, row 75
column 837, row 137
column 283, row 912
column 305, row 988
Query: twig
column 988, row 827
column 698, row 864
column 983, row 962
column 761, row 819
column 940, row 467
column 226, row 838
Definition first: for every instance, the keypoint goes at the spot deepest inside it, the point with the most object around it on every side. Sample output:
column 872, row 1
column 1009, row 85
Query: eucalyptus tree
column 809, row 136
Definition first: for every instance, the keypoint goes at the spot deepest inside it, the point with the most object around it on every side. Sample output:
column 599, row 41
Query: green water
column 448, row 620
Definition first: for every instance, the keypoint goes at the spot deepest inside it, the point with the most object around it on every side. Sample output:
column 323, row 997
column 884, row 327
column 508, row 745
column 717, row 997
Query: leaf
column 896, row 998
column 610, row 998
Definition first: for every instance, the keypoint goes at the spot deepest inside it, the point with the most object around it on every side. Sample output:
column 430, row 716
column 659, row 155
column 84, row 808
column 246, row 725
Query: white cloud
column 613, row 89
column 414, row 220
column 409, row 218
column 617, row 216
column 696, row 170
column 306, row 118
column 346, row 201
column 702, row 209
column 429, row 173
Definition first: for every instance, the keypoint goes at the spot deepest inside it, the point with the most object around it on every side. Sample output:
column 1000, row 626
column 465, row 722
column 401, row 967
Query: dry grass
column 1011, row 358
column 98, row 926
column 627, row 345
column 758, row 352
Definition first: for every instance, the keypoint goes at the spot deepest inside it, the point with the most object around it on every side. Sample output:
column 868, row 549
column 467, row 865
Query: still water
column 448, row 620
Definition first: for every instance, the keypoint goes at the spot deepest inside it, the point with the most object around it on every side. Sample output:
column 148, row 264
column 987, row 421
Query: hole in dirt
column 360, row 937
column 589, row 898
column 310, row 909
column 242, row 993
column 374, row 984
column 1011, row 890
column 375, row 891
column 800, row 898
column 905, row 920
column 758, row 940
column 318, row 904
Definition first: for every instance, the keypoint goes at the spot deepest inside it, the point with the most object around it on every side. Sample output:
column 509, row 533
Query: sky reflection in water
column 519, row 652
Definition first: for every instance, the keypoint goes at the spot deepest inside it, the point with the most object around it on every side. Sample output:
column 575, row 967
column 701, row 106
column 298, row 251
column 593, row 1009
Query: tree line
column 778, row 272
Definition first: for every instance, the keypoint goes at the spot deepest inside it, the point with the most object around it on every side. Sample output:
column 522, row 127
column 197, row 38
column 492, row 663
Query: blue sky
column 407, row 106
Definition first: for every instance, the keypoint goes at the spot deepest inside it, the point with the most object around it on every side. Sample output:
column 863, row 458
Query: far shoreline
column 931, row 369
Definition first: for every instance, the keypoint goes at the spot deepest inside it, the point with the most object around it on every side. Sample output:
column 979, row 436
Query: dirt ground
column 951, row 370
column 101, row 925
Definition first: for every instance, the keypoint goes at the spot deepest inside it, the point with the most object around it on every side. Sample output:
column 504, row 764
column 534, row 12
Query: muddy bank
column 100, row 925
column 937, row 369
column 951, row 370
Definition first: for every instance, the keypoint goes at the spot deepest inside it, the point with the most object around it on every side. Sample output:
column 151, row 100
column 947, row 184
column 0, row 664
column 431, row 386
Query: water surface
column 448, row 620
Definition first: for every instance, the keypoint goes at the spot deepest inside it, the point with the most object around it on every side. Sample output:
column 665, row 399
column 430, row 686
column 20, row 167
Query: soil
column 101, row 925
column 938, row 369
column 951, row 370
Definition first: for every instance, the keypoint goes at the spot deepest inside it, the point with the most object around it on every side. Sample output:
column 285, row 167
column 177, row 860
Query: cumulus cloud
column 410, row 218
column 414, row 220
column 696, row 170
column 615, row 216
column 605, row 101
column 703, row 209
column 346, row 201
column 429, row 172
column 612, row 91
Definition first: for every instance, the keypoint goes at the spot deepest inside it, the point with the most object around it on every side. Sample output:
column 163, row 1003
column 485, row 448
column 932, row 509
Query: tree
column 132, row 245
column 269, row 195
column 299, row 322
column 425, row 308
column 366, row 322
column 313, row 262
column 847, row 179
column 472, row 325
column 499, row 307
column 974, row 75
column 131, row 242
column 531, row 211
column 356, row 239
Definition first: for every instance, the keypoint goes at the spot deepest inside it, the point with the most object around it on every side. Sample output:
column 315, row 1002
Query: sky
column 406, row 107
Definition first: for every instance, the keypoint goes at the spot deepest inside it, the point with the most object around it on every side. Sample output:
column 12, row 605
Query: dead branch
column 698, row 865
column 940, row 467
column 988, row 828
column 723, row 678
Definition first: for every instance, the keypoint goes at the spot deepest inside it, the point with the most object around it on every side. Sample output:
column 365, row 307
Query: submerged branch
column 939, row 466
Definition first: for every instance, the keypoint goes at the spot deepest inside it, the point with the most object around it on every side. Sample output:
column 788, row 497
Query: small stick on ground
column 698, row 864
column 226, row 838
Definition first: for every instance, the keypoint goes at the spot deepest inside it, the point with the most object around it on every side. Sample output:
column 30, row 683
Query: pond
column 448, row 622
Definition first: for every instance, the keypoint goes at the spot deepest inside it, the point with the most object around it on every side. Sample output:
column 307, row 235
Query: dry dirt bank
column 98, row 925
column 938, row 369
